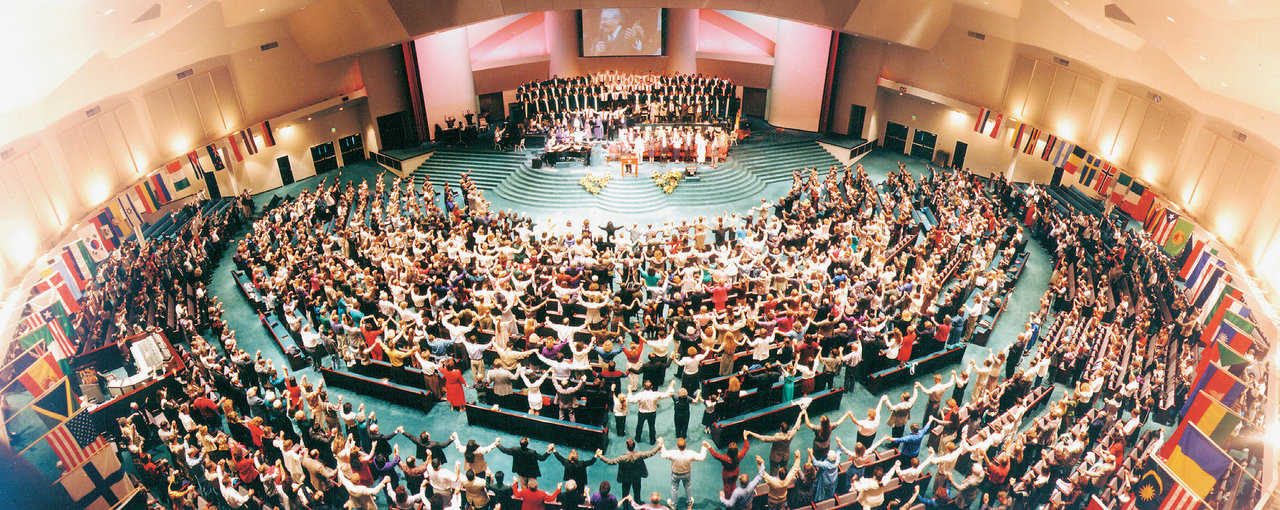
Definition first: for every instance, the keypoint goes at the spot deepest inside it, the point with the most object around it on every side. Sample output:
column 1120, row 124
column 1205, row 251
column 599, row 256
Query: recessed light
column 1202, row 57
column 1068, row 4
column 1225, row 84
column 263, row 9
column 1170, row 18
column 151, row 34
column 108, row 12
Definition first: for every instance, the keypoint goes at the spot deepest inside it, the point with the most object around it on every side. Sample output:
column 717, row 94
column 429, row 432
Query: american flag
column 76, row 440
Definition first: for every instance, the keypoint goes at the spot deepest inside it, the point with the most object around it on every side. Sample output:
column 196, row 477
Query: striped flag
column 1164, row 227
column 984, row 115
column 76, row 440
column 235, row 149
column 1050, row 143
column 193, row 157
column 1074, row 159
column 246, row 137
column 995, row 131
column 269, row 139
column 141, row 196
column 1032, row 140
column 1060, row 155
column 1195, row 263
column 1016, row 143
column 161, row 190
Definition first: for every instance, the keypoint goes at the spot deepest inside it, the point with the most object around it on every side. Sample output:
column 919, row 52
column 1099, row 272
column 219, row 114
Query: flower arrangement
column 595, row 183
column 667, row 180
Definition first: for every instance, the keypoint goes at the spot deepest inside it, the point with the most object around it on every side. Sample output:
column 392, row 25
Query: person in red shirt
column 531, row 498
column 207, row 409
column 730, row 461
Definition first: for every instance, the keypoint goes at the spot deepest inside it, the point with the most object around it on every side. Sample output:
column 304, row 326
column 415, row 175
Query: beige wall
column 52, row 179
column 959, row 66
column 859, row 65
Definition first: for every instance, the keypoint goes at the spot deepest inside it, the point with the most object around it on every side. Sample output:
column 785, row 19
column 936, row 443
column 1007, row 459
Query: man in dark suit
column 631, row 467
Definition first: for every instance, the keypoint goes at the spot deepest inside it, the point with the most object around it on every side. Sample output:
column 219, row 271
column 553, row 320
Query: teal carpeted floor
column 442, row 421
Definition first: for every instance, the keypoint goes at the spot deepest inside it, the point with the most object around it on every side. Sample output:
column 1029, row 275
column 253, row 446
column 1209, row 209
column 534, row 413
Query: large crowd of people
column 835, row 280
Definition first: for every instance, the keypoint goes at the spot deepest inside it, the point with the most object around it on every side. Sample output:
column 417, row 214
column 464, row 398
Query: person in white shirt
column 647, row 405
column 682, row 460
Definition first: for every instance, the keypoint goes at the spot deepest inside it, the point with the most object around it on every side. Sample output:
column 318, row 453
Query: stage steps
column 773, row 162
column 488, row 167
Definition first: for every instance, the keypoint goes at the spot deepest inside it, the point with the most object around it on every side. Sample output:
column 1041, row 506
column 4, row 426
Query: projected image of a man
column 614, row 38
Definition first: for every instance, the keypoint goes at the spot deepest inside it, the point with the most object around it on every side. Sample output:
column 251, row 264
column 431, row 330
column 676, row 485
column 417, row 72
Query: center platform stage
column 510, row 181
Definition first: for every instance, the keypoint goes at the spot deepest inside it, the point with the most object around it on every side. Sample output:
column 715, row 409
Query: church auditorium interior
column 547, row 255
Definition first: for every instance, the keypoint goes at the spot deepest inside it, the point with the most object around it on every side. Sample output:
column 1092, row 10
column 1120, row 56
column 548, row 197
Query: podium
column 629, row 163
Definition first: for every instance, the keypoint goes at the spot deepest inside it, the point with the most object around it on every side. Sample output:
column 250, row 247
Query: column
column 448, row 88
column 562, row 42
column 682, row 41
column 799, row 75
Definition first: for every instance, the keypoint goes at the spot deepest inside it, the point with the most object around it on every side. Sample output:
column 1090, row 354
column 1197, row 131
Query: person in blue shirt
column 824, row 487
column 909, row 444
column 744, row 491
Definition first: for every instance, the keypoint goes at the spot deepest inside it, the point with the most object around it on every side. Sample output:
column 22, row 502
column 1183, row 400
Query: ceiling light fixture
column 1170, row 18
column 1202, row 57
column 262, row 9
column 108, row 12
column 1225, row 84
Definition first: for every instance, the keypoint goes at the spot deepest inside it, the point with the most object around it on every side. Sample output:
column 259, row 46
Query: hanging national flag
column 55, row 264
column 1222, row 296
column 1197, row 258
column 53, row 290
column 995, row 131
column 1206, row 283
column 1137, row 201
column 57, row 404
column 1106, row 179
column 101, row 483
column 41, row 375
column 193, row 158
column 161, row 190
column 1158, row 490
column 246, row 136
column 79, row 267
column 145, row 199
column 88, row 255
column 984, row 115
column 1032, row 139
column 215, row 158
column 1236, row 338
column 1089, row 171
column 235, row 148
column 176, row 178
column 1165, row 226
column 1075, row 160
column 1231, row 311
column 77, row 440
column 1197, row 461
column 269, row 139
column 1178, row 237
column 1120, row 188
column 1018, row 133
column 19, row 364
column 1050, row 143
column 1218, row 383
column 1097, row 504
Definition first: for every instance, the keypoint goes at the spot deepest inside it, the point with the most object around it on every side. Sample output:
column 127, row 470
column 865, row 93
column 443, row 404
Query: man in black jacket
column 524, row 461
column 631, row 467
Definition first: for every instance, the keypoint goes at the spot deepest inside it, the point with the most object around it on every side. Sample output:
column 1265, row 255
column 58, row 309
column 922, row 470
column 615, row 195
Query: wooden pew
column 385, row 390
column 552, row 430
column 284, row 340
column 878, row 381
column 767, row 419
